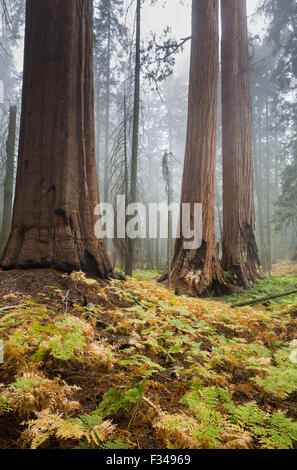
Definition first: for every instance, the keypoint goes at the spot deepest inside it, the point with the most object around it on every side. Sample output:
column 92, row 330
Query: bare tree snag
column 131, row 251
column 240, row 253
column 56, row 188
column 198, row 272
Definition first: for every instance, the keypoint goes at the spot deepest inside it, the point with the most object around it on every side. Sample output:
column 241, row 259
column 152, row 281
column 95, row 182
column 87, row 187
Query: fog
column 163, row 117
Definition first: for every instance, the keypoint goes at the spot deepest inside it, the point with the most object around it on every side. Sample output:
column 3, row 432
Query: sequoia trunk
column 240, row 253
column 56, row 188
column 198, row 272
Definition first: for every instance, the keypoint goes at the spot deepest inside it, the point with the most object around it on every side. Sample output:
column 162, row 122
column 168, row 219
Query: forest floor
column 97, row 364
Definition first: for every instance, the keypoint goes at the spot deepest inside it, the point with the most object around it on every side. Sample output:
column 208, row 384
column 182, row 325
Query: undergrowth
column 269, row 286
column 149, row 369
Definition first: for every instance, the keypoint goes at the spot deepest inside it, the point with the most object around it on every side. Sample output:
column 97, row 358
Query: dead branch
column 264, row 299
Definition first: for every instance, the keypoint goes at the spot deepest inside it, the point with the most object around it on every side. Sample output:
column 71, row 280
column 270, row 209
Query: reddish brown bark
column 199, row 272
column 240, row 253
column 56, row 189
column 294, row 258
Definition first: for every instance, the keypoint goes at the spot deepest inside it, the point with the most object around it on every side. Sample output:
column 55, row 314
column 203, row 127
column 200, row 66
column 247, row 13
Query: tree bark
column 198, row 272
column 56, row 188
column 9, row 178
column 240, row 253
column 294, row 258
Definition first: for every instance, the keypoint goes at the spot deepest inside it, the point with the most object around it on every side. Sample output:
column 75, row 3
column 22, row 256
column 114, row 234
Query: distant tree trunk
column 107, row 108
column 126, row 183
column 276, row 193
column 294, row 258
column 259, row 192
column 170, row 192
column 157, row 242
column 98, row 129
column 56, row 187
column 240, row 253
column 9, row 178
column 169, row 253
column 135, row 140
column 198, row 272
column 169, row 189
column 268, row 193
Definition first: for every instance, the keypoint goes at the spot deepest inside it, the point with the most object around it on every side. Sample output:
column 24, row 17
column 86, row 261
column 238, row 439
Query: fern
column 66, row 346
column 111, row 403
column 213, row 409
column 248, row 416
column 142, row 366
column 281, row 433
column 204, row 403
column 134, row 392
column 114, row 400
column 281, row 381
column 91, row 428
column 115, row 445
column 26, row 384
column 5, row 406
column 38, row 356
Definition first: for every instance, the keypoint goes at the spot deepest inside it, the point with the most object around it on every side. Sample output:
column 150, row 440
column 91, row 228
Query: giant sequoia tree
column 56, row 188
column 199, row 271
column 240, row 254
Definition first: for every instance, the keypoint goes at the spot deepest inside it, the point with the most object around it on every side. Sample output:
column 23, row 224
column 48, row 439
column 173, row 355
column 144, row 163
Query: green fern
column 66, row 346
column 117, row 444
column 248, row 416
column 114, row 400
column 212, row 406
column 281, row 381
column 281, row 433
column 5, row 406
column 26, row 384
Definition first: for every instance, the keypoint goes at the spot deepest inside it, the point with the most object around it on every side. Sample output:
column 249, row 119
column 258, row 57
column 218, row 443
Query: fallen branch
column 8, row 308
column 264, row 299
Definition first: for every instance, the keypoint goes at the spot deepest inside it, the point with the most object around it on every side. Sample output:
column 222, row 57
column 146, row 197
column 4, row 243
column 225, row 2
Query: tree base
column 66, row 249
column 243, row 278
column 68, row 269
column 241, row 259
column 192, row 283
